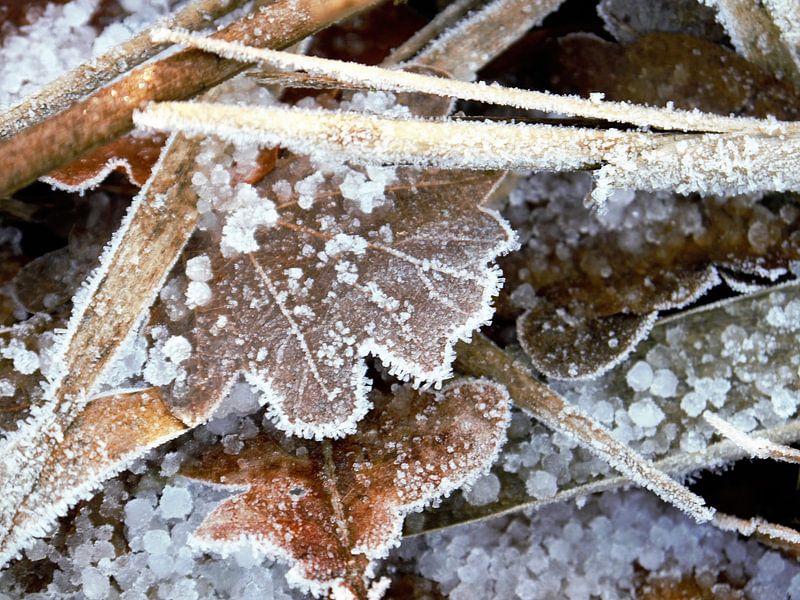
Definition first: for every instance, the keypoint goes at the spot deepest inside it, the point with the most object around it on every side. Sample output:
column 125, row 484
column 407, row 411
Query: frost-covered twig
column 496, row 26
column 482, row 358
column 90, row 76
column 112, row 301
column 707, row 163
column 756, row 446
column 758, row 37
column 364, row 76
column 756, row 525
column 441, row 22
column 106, row 115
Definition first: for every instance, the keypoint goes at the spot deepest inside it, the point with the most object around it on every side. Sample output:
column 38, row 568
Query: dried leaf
column 135, row 156
column 565, row 346
column 110, row 433
column 331, row 508
column 660, row 68
column 330, row 285
column 578, row 269
column 132, row 155
column 747, row 345
column 627, row 20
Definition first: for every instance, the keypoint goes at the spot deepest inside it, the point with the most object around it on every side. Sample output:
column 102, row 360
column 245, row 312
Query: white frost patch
column 343, row 242
column 177, row 349
column 198, row 293
column 199, row 268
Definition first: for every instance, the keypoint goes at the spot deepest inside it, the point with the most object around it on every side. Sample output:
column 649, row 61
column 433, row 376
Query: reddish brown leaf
column 331, row 508
column 132, row 155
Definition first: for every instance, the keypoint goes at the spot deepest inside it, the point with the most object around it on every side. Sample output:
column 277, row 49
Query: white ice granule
column 784, row 402
column 693, row 404
column 95, row 584
column 640, row 376
column 484, row 490
column 7, row 388
column 343, row 242
column 156, row 541
column 645, row 413
column 664, row 384
column 541, row 484
column 198, row 293
column 176, row 503
column 199, row 268
column 251, row 212
column 25, row 361
column 177, row 349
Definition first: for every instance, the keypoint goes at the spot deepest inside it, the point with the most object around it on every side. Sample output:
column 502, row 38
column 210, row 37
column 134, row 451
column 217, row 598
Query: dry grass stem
column 705, row 163
column 755, row 446
column 364, row 76
column 481, row 358
column 90, row 76
column 490, row 30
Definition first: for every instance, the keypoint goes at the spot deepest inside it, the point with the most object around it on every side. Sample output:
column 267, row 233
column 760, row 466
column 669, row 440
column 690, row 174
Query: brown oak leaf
column 331, row 508
column 330, row 285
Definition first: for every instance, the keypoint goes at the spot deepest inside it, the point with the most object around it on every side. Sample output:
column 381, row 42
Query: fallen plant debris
column 217, row 394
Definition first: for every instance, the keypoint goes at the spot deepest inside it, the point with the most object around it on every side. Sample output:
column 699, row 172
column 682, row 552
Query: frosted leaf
column 103, row 440
column 327, row 287
column 626, row 20
column 586, row 277
column 566, row 346
column 340, row 505
column 134, row 155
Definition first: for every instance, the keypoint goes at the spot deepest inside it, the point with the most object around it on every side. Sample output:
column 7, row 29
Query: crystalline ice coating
column 640, row 376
